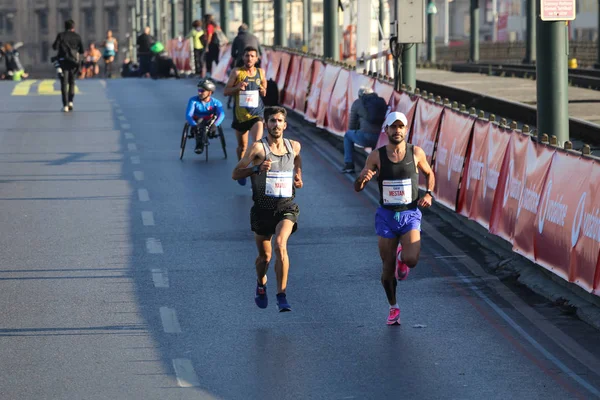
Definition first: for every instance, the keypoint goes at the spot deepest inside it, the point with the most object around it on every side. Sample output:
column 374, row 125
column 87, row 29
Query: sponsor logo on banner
column 513, row 185
column 553, row 211
column 530, row 200
column 475, row 170
column 591, row 222
column 491, row 174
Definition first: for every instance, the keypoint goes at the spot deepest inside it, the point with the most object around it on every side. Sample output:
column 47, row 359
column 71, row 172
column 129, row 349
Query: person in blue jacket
column 200, row 111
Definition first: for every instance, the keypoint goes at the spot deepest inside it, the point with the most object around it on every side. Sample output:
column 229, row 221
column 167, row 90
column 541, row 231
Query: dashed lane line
column 148, row 218
column 143, row 195
column 169, row 320
column 160, row 278
column 185, row 373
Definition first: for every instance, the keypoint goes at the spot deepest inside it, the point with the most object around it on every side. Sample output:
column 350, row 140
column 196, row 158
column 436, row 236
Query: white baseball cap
column 393, row 117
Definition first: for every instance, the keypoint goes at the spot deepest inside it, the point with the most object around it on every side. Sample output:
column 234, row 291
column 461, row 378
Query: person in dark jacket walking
column 144, row 43
column 70, row 54
column 242, row 40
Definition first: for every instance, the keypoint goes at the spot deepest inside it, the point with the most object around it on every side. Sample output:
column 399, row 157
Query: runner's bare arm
column 297, row 165
column 263, row 84
column 230, row 88
column 370, row 169
column 423, row 165
column 254, row 156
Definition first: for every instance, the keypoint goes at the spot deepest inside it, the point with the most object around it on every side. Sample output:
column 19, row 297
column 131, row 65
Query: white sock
column 394, row 306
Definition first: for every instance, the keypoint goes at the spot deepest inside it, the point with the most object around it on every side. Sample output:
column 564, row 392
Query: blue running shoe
column 242, row 181
column 282, row 303
column 261, row 298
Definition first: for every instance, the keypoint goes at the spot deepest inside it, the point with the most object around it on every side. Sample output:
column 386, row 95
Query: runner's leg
column 411, row 247
column 387, row 251
column 257, row 131
column 282, row 261
column 242, row 139
column 263, row 245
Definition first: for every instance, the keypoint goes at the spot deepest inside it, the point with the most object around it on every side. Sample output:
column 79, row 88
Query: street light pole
column 431, row 12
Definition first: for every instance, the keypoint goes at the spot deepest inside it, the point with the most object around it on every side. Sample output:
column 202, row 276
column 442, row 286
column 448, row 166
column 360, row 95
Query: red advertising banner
column 304, row 80
column 180, row 52
column 492, row 153
column 329, row 78
column 474, row 167
column 538, row 161
column 312, row 103
column 585, row 256
column 290, row 89
column 384, row 90
column 553, row 236
column 273, row 65
column 337, row 110
column 220, row 73
column 426, row 124
column 356, row 82
column 453, row 140
column 264, row 59
column 510, row 187
column 403, row 102
column 283, row 72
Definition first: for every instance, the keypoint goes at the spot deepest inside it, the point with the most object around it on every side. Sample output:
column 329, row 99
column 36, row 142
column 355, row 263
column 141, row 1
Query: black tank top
column 398, row 182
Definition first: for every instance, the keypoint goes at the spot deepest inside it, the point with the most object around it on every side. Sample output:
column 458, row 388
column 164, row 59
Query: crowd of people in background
column 153, row 59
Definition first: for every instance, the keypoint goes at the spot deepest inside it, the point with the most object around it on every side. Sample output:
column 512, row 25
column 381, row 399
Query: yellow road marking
column 46, row 88
column 22, row 88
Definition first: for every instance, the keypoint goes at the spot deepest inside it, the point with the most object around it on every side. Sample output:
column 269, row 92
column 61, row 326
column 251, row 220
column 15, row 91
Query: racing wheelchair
column 206, row 132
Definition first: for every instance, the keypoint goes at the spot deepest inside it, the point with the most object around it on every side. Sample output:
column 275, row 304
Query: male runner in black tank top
column 398, row 219
column 276, row 174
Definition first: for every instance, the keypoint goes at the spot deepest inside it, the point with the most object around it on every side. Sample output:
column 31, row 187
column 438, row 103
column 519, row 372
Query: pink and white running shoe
column 394, row 317
column 401, row 268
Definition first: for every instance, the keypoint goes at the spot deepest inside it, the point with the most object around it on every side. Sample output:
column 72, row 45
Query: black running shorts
column 246, row 125
column 264, row 222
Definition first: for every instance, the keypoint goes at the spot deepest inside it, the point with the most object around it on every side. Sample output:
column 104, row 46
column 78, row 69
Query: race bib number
column 397, row 192
column 249, row 98
column 279, row 184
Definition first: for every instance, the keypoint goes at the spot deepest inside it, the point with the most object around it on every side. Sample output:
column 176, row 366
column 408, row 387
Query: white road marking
column 147, row 218
column 129, row 135
column 169, row 320
column 131, row 146
column 125, row 126
column 160, row 278
column 154, row 246
column 135, row 159
column 185, row 373
column 143, row 195
column 122, row 117
column 138, row 175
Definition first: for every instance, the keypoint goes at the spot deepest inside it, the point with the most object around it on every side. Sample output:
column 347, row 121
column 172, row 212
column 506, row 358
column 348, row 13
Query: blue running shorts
column 390, row 224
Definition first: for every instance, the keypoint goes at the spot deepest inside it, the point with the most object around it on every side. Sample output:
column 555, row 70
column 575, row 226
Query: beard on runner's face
column 396, row 132
column 275, row 128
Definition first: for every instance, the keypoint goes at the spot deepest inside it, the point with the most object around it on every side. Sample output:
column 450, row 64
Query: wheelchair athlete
column 200, row 110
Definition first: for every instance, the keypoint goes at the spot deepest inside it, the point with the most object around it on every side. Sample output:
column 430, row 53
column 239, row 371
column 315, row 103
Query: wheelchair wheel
column 223, row 144
column 184, row 135
column 206, row 143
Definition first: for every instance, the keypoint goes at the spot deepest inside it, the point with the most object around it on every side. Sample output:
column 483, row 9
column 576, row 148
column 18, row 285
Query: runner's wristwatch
column 429, row 192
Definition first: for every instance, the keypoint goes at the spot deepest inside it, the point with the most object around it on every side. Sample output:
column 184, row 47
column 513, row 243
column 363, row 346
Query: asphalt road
column 126, row 273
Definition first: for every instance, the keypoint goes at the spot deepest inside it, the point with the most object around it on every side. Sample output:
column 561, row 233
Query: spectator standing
column 367, row 115
column 242, row 40
column 212, row 41
column 70, row 55
column 144, row 43
column 195, row 34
